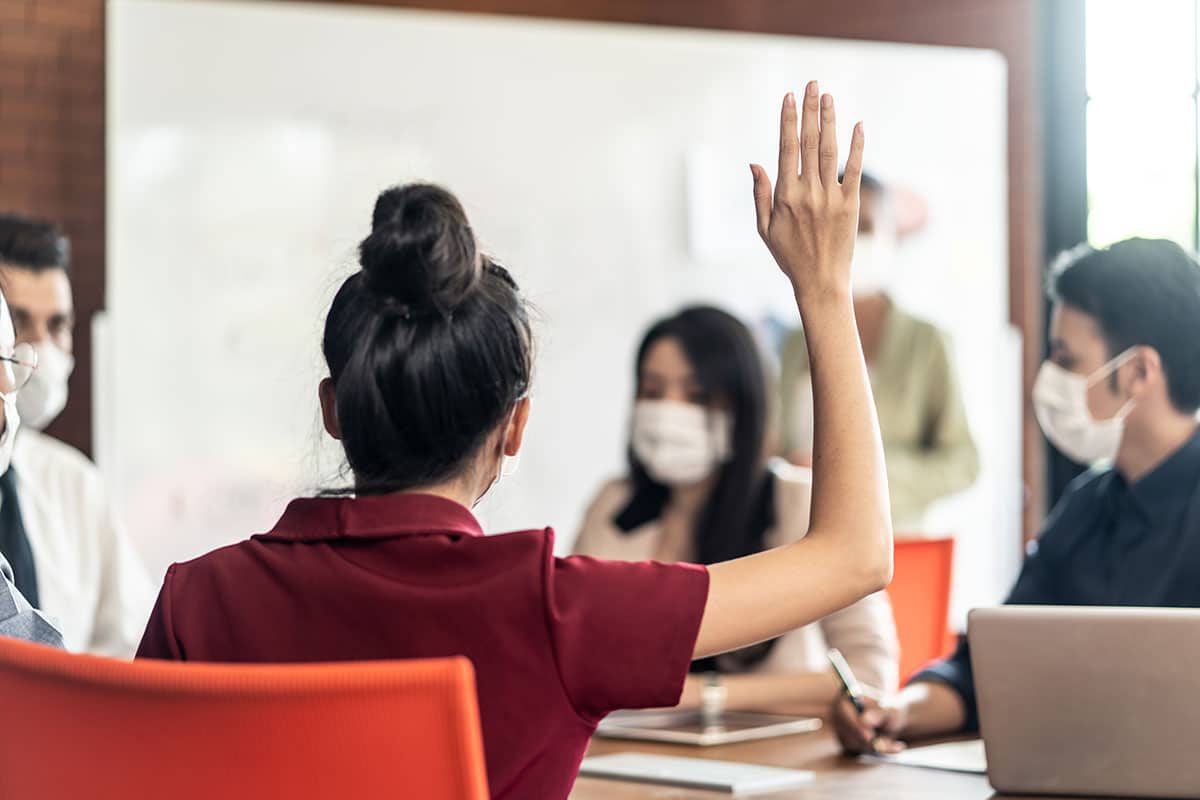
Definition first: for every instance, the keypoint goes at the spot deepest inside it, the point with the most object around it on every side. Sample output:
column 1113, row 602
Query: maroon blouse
column 556, row 642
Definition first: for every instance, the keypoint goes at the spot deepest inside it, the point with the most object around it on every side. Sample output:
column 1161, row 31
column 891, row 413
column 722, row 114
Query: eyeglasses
column 16, row 369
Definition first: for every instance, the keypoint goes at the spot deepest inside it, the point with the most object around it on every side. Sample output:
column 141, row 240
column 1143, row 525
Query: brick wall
column 52, row 152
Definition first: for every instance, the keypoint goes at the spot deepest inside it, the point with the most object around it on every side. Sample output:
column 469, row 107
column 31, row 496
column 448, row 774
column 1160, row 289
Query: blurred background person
column 700, row 489
column 86, row 574
column 928, row 444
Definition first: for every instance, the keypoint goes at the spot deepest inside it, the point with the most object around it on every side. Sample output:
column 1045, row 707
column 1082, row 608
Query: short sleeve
column 623, row 632
column 159, row 639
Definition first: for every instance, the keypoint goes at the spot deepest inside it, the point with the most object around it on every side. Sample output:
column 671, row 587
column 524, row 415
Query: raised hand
column 810, row 221
column 809, row 225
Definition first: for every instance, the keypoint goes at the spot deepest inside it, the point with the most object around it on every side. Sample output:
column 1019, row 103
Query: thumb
column 762, row 198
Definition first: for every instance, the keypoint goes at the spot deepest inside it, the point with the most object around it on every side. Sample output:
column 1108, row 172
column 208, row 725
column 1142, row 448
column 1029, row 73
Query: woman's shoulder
column 920, row 333
column 612, row 495
column 598, row 535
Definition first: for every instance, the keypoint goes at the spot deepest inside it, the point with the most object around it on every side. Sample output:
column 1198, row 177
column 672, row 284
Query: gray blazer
column 18, row 619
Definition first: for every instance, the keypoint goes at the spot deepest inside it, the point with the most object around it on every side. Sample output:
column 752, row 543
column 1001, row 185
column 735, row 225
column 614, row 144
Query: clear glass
column 1141, row 170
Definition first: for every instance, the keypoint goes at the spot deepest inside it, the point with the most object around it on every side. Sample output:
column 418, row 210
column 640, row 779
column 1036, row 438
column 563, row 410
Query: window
column 1142, row 82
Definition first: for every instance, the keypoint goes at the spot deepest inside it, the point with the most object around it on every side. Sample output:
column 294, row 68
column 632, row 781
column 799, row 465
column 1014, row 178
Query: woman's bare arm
column 809, row 224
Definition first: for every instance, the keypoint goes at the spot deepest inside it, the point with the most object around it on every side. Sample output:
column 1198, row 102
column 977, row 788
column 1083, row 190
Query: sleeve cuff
column 949, row 674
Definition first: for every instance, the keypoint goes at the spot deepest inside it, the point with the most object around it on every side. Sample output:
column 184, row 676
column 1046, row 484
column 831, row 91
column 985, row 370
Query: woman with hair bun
column 430, row 358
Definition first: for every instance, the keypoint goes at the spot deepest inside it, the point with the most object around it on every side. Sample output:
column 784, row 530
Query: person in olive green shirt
column 928, row 445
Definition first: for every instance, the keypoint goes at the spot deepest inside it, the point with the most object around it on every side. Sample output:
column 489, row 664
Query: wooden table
column 837, row 776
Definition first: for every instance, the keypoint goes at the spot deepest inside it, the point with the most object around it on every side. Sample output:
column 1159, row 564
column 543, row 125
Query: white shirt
column 865, row 632
column 89, row 577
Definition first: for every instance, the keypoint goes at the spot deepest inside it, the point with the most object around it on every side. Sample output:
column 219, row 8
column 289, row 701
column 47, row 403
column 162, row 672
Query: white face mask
column 680, row 443
column 12, row 421
column 1060, row 403
column 872, row 267
column 45, row 396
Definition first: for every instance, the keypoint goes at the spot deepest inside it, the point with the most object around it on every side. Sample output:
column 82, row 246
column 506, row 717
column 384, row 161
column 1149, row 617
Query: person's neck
column 1142, row 450
column 688, row 500
column 455, row 491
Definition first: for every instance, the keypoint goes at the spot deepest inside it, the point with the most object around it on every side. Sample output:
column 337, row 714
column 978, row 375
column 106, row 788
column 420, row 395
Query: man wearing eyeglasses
column 58, row 531
column 18, row 619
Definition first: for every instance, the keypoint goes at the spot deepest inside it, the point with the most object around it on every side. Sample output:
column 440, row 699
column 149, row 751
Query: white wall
column 248, row 141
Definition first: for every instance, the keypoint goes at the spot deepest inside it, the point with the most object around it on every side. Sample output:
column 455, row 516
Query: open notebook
column 696, row 773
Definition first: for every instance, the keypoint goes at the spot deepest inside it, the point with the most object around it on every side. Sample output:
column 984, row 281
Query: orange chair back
column 77, row 727
column 920, row 595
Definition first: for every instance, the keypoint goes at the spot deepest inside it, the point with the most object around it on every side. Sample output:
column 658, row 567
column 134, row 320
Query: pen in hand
column 853, row 691
column 850, row 685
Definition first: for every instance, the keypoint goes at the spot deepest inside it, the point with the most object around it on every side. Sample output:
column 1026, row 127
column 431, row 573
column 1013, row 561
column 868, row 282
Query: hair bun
column 421, row 252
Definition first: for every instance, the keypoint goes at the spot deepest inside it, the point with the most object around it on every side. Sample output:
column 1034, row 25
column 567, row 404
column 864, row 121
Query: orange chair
column 920, row 595
column 74, row 727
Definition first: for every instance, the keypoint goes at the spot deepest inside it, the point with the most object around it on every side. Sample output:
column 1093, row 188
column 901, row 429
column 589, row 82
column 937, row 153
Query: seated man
column 1121, row 390
column 18, row 619
column 83, row 570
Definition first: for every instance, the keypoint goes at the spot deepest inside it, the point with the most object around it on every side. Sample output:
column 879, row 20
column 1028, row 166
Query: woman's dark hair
column 428, row 345
column 729, row 370
column 1140, row 292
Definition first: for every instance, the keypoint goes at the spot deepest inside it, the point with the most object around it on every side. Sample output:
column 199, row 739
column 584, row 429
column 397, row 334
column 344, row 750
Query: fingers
column 829, row 147
column 854, row 736
column 762, row 198
column 869, row 723
column 852, row 176
column 810, row 135
column 789, row 143
column 887, row 745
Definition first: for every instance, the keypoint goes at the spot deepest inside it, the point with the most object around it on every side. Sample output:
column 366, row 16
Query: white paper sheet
column 951, row 756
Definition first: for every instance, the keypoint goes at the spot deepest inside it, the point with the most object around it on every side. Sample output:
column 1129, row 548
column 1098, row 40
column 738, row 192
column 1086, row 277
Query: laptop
column 1103, row 702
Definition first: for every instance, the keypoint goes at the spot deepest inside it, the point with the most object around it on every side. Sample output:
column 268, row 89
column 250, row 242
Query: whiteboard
column 606, row 164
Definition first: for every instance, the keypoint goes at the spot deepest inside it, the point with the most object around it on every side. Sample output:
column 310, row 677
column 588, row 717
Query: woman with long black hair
column 701, row 489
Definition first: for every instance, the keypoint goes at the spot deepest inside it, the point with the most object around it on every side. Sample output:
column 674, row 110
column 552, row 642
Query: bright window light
column 1142, row 78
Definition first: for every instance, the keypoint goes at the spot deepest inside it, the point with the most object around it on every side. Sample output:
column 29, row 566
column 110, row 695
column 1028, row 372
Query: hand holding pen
column 862, row 722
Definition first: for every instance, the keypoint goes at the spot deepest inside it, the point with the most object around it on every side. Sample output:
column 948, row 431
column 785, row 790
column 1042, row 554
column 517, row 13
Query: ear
column 328, row 395
column 516, row 431
column 1147, row 369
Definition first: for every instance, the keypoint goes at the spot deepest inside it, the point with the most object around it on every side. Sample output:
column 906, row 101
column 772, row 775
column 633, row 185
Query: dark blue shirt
column 1107, row 543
